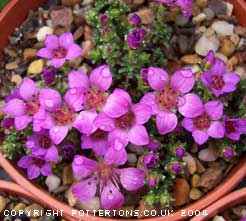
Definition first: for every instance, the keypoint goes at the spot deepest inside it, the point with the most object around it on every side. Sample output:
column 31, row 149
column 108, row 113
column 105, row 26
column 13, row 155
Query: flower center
column 125, row 121
column 95, row 99
column 230, row 127
column 167, row 99
column 217, row 82
column 202, row 122
column 104, row 172
column 44, row 142
column 32, row 107
column 37, row 162
column 99, row 135
column 59, row 52
column 63, row 116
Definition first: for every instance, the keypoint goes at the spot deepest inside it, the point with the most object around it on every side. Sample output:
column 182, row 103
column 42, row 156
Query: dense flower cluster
column 108, row 121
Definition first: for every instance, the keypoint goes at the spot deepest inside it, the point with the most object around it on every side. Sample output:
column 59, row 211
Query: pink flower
column 108, row 178
column 169, row 97
column 207, row 123
column 59, row 49
column 124, row 122
column 23, row 104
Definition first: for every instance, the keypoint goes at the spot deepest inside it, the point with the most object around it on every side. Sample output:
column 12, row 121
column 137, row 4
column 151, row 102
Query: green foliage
column 112, row 47
column 3, row 3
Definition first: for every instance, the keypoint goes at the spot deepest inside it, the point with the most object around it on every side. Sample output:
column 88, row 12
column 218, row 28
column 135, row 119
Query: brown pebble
column 147, row 15
column 195, row 180
column 195, row 194
column 181, row 191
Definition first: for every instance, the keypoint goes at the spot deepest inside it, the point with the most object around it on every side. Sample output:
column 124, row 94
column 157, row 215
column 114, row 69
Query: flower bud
column 228, row 152
column 134, row 39
column 49, row 75
column 150, row 161
column 134, row 19
column 103, row 18
column 210, row 59
column 8, row 122
column 176, row 167
column 179, row 152
column 68, row 150
column 153, row 145
column 150, row 199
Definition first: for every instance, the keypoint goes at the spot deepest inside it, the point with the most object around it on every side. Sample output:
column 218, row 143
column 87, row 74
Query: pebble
column 10, row 52
column 195, row 180
column 78, row 33
column 16, row 79
column 241, row 71
column 132, row 159
column 52, row 182
column 34, row 210
column 36, row 67
column 181, row 20
column 195, row 10
column 200, row 168
column 43, row 31
column 229, row 9
column 3, row 203
column 218, row 218
column 143, row 207
column 228, row 47
column 199, row 18
column 29, row 54
column 209, row 13
column 241, row 31
column 181, row 191
column 202, row 3
column 67, row 175
column 218, row 6
column 19, row 206
column 70, row 197
column 209, row 32
column 235, row 39
column 190, row 162
column 205, row 44
column 195, row 194
column 62, row 17
column 147, row 15
column 91, row 205
column 223, row 28
column 209, row 154
column 70, row 2
column 87, row 46
column 191, row 59
column 12, row 65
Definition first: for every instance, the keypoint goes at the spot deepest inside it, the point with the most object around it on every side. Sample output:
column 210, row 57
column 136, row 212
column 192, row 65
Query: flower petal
column 50, row 99
column 101, row 77
column 231, row 81
column 117, row 104
column 206, row 78
column 132, row 178
column 52, row 154
column 78, row 79
column 33, row 172
column 22, row 122
column 214, row 109
column 157, row 78
column 111, row 197
column 118, row 139
column 24, row 162
column 57, row 62
column 188, row 124
column 190, row 105
column 219, row 68
column 142, row 112
column 104, row 122
column 28, row 89
column 117, row 157
column 84, row 122
column 86, row 189
column 138, row 135
column 42, row 119
column 66, row 40
column 44, row 53
column 183, row 80
column 166, row 122
column 150, row 99
column 15, row 107
column 58, row 133
column 216, row 130
column 46, row 170
column 83, row 166
column 74, row 51
column 74, row 98
column 200, row 136
column 51, row 42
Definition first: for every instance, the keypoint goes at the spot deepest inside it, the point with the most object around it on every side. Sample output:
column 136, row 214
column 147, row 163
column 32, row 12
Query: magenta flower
column 234, row 128
column 134, row 19
column 150, row 161
column 41, row 145
column 207, row 123
column 134, row 39
column 210, row 59
column 153, row 145
column 169, row 97
column 108, row 178
column 218, row 80
column 98, row 141
column 35, row 165
column 124, row 122
column 179, row 152
column 23, row 104
column 8, row 122
column 49, row 75
column 175, row 167
column 59, row 49
column 228, row 152
column 183, row 4
column 56, row 115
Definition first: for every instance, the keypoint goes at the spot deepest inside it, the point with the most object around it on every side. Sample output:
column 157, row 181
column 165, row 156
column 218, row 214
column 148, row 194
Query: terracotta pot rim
column 232, row 199
column 234, row 177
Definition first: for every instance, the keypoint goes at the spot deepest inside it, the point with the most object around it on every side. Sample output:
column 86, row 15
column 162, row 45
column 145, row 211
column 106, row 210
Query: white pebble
column 45, row 30
column 229, row 9
column 199, row 18
column 218, row 218
column 221, row 57
column 205, row 44
column 52, row 182
column 223, row 28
